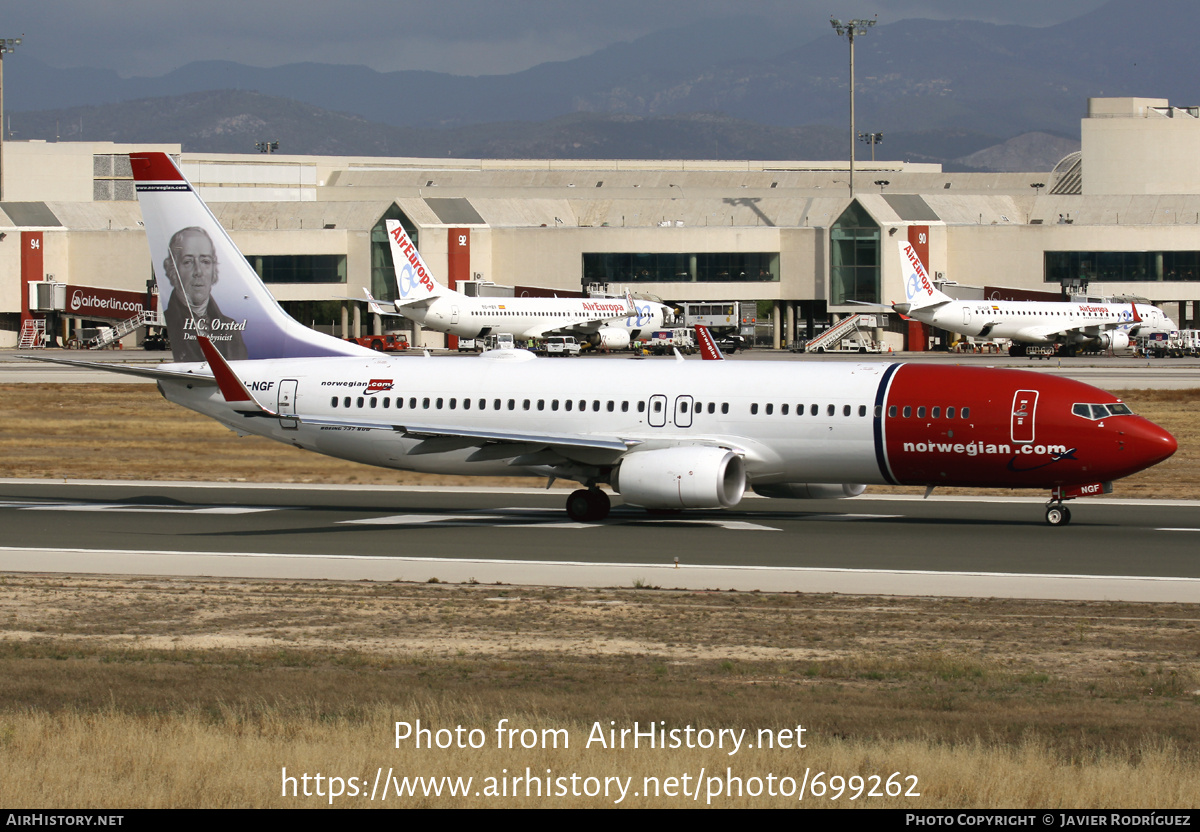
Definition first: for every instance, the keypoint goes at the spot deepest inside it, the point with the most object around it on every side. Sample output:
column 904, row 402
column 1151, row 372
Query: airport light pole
column 850, row 29
column 871, row 139
column 7, row 45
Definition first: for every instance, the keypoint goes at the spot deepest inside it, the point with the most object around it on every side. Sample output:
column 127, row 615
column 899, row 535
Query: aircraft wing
column 192, row 376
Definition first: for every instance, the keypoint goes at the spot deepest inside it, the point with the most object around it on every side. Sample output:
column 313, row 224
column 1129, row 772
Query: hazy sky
column 467, row 37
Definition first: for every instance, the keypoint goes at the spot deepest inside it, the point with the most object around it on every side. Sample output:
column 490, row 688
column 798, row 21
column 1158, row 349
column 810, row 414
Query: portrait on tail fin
column 192, row 267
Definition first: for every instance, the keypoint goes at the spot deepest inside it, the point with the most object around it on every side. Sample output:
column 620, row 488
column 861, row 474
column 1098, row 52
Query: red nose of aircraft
column 1140, row 444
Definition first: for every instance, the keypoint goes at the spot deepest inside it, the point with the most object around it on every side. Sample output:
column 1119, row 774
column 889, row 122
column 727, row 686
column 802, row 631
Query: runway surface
column 1115, row 550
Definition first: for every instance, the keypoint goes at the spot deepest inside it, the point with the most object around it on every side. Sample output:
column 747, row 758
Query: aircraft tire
column 1058, row 515
column 588, row 505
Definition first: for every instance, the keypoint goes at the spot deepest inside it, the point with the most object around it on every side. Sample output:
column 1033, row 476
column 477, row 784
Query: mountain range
column 938, row 90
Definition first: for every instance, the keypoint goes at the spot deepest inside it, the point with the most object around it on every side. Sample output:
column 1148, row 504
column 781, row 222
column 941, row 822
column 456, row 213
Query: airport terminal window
column 299, row 268
column 702, row 267
column 854, row 257
column 1122, row 266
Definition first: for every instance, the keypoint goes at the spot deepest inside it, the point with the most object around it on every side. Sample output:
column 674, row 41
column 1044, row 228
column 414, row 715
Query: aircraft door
column 966, row 316
column 656, row 413
column 454, row 314
column 683, row 411
column 287, row 404
column 1024, row 410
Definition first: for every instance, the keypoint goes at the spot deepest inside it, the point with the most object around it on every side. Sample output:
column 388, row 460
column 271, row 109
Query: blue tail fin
column 205, row 285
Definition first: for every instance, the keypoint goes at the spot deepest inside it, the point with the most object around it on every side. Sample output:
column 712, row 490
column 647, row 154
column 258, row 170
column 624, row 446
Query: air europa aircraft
column 664, row 434
column 610, row 323
column 1072, row 326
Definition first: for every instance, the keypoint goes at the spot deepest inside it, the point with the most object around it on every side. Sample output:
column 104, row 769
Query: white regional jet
column 603, row 322
column 664, row 434
column 1072, row 326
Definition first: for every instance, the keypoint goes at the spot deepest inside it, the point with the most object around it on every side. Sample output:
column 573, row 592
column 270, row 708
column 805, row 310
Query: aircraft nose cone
column 1147, row 444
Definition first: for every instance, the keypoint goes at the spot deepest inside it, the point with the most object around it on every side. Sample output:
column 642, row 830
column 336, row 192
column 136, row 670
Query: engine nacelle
column 688, row 477
column 1115, row 340
column 610, row 338
column 809, row 490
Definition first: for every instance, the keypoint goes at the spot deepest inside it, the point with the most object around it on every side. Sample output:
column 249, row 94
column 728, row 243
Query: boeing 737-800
column 1072, row 326
column 609, row 323
column 664, row 434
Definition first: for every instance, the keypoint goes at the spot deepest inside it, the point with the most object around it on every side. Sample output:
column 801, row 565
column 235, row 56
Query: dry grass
column 161, row 692
column 124, row 431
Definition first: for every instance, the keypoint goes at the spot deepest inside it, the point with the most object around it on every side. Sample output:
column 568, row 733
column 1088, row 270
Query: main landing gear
column 1057, row 514
column 587, row 505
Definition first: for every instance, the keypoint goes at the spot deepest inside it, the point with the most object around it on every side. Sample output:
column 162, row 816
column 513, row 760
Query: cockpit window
column 1101, row 411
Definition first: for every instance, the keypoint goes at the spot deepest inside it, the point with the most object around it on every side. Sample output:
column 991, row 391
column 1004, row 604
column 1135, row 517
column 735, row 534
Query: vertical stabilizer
column 919, row 290
column 414, row 281
column 205, row 285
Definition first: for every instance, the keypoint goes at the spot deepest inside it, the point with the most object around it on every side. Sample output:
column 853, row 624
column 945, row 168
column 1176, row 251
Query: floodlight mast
column 7, row 45
column 849, row 29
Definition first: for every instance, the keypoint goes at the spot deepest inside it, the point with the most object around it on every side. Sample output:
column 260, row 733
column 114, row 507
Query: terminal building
column 1121, row 217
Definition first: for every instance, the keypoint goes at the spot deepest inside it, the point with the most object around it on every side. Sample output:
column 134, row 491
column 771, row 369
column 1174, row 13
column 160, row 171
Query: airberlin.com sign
column 90, row 302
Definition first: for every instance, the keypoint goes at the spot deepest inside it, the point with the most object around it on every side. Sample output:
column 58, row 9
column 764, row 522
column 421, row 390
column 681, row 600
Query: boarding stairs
column 109, row 335
column 33, row 334
column 831, row 338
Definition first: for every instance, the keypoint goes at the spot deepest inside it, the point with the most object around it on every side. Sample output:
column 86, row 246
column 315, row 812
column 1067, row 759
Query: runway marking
column 1177, row 530
column 125, row 508
column 517, row 518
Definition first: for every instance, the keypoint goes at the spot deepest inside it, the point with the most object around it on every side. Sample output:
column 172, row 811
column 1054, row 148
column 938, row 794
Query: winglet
column 1137, row 319
column 230, row 385
column 709, row 351
column 373, row 304
column 630, row 307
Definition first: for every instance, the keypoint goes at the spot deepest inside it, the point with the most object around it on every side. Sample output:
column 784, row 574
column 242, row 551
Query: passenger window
column 596, row 405
column 770, row 409
column 814, row 410
column 525, row 404
column 937, row 412
column 541, row 404
column 683, row 407
column 512, row 404
column 624, row 407
column 453, row 403
column 554, row 404
column 724, row 407
column 440, row 402
column 333, row 403
column 862, row 410
column 712, row 407
column 412, row 403
column 754, row 409
column 495, row 404
column 657, row 407
column 949, row 412
column 966, row 413
column 611, row 406
column 907, row 411
column 570, row 403
column 387, row 402
column 783, row 410
column 845, row 410
column 831, row 409
column 359, row 402
column 641, row 407
column 921, row 412
column 892, row 412
column 374, row 403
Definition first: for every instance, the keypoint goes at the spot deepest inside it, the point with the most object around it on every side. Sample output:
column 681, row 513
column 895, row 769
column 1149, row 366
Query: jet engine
column 687, row 477
column 610, row 338
column 1115, row 340
column 809, row 490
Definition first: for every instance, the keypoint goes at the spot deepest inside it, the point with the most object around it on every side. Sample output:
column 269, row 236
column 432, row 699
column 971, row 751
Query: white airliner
column 665, row 434
column 1072, row 326
column 609, row 323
